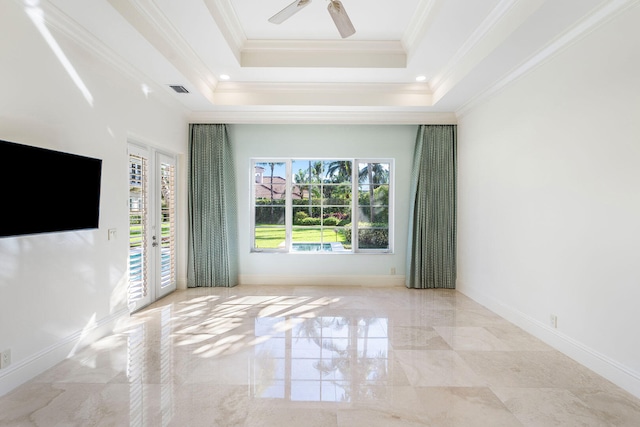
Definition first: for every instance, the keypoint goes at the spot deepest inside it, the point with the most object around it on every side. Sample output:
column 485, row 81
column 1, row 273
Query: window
column 320, row 205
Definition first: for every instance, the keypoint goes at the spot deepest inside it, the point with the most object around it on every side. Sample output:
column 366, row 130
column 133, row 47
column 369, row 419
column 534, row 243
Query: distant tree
column 339, row 171
column 302, row 182
column 271, row 166
column 374, row 174
column 315, row 171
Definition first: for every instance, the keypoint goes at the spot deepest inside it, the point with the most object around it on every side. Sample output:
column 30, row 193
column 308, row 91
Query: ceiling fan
column 335, row 8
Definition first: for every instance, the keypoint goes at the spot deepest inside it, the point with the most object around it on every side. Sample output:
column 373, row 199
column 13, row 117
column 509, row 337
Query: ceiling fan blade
column 341, row 19
column 289, row 11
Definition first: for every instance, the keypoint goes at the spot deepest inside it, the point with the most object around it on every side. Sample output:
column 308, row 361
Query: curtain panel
column 213, row 251
column 431, row 254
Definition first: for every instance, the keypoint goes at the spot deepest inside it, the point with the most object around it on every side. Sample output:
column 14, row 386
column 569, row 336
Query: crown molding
column 596, row 19
column 419, row 25
column 323, row 53
column 321, row 116
column 324, row 94
column 225, row 17
column 61, row 23
column 511, row 16
column 147, row 18
column 496, row 14
column 313, row 53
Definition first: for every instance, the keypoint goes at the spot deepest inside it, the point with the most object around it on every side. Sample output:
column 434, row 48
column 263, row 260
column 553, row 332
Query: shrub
column 369, row 238
column 299, row 217
column 331, row 221
column 373, row 239
column 310, row 221
column 269, row 202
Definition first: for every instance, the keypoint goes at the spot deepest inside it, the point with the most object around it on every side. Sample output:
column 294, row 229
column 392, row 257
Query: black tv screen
column 47, row 191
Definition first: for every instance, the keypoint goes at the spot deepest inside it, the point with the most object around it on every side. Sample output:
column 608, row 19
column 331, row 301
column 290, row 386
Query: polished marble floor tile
column 318, row 356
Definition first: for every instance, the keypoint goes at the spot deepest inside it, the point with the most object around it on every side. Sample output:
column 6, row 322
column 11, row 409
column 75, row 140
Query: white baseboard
column 617, row 373
column 22, row 371
column 365, row 281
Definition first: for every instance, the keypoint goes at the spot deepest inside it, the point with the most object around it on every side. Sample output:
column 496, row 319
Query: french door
column 152, row 226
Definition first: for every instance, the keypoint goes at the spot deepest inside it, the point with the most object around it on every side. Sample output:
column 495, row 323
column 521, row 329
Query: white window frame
column 288, row 226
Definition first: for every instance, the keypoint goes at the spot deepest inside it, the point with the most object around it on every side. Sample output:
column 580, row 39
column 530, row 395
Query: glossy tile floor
column 318, row 356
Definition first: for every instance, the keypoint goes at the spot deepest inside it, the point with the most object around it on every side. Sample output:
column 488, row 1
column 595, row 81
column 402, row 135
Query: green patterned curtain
column 212, row 252
column 431, row 253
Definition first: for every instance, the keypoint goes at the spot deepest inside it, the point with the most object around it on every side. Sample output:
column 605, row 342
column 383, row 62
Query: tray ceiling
column 233, row 61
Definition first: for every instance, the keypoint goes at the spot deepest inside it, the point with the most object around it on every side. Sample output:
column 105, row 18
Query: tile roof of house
column 263, row 189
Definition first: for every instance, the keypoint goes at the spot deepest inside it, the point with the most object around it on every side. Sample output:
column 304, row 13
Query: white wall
column 549, row 200
column 322, row 141
column 55, row 287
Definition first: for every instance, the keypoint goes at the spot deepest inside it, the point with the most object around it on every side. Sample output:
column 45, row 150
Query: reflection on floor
column 318, row 356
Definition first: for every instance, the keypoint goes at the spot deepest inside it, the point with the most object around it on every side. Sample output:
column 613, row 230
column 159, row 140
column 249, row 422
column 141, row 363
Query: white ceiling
column 466, row 49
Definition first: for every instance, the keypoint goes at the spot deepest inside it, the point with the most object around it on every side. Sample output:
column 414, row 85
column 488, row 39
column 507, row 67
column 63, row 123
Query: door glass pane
column 138, row 222
column 167, row 223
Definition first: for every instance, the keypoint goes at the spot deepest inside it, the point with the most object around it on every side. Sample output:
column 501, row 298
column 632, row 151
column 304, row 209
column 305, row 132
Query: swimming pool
column 317, row 247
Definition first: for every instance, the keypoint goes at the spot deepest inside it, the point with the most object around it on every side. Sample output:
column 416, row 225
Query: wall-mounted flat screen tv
column 47, row 191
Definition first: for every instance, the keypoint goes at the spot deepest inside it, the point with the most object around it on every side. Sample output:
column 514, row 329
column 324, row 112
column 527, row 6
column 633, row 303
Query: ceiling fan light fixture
column 341, row 19
column 289, row 11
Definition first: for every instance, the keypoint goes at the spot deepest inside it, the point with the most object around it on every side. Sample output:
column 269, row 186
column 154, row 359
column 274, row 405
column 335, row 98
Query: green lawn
column 135, row 233
column 270, row 237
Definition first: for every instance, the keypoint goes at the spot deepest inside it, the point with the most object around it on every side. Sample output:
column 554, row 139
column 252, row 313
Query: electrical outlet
column 113, row 233
column 393, row 271
column 5, row 359
column 553, row 321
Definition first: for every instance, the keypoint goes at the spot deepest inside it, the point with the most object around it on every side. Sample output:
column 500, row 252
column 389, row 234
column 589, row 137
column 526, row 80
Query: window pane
column 270, row 215
column 314, row 194
column 344, row 236
column 300, row 191
column 307, row 234
column 338, row 171
column 269, row 237
column 364, row 195
column 307, row 171
column 381, row 195
column 376, row 195
column 266, row 169
column 319, row 239
column 373, row 173
column 334, row 216
column 337, row 194
column 374, row 215
column 373, row 238
column 333, row 235
column 270, row 194
column 306, row 215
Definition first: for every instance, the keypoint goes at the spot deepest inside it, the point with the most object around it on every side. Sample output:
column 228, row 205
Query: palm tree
column 376, row 174
column 271, row 166
column 339, row 170
column 315, row 170
column 300, row 178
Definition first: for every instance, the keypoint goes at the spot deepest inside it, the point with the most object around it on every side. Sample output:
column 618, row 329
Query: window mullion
column 288, row 216
column 253, row 205
column 355, row 206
